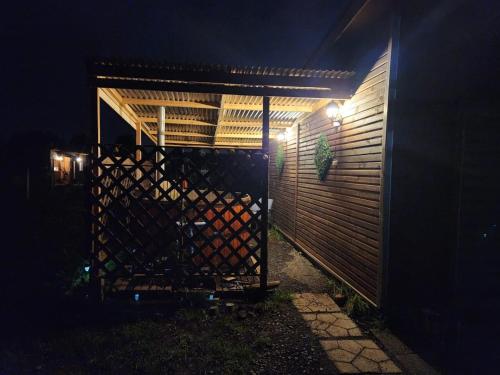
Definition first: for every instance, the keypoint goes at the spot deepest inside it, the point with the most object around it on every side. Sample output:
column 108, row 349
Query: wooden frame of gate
column 189, row 210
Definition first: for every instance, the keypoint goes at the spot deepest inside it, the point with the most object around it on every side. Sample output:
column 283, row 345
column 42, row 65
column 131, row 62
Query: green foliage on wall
column 323, row 157
column 280, row 159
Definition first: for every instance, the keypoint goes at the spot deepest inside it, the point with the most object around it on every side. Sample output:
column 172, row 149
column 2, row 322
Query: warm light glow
column 281, row 137
column 346, row 109
column 332, row 110
column 336, row 123
column 58, row 157
column 79, row 159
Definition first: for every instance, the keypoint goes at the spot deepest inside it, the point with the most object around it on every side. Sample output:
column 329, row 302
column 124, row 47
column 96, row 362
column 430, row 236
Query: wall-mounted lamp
column 281, row 137
column 79, row 159
column 333, row 113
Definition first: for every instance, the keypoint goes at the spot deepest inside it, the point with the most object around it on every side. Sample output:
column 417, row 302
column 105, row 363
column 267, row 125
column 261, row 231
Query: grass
column 276, row 300
column 189, row 342
column 275, row 234
column 145, row 347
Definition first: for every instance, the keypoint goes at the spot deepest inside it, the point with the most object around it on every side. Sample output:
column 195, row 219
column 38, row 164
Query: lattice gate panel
column 177, row 212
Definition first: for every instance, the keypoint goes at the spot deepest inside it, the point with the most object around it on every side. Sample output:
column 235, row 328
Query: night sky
column 45, row 45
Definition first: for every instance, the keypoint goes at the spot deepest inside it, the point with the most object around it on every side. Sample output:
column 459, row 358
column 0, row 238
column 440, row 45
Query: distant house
column 67, row 167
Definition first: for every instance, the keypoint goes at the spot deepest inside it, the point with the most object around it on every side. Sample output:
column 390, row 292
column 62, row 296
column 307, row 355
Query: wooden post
column 138, row 142
column 161, row 126
column 96, row 291
column 265, row 192
column 296, row 197
column 160, row 136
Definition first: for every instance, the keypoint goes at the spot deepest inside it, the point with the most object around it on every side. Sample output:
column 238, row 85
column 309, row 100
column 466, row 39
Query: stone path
column 341, row 338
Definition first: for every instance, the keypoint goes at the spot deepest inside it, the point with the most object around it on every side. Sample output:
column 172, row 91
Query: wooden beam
column 320, row 104
column 240, row 135
column 177, row 121
column 186, row 134
column 169, row 103
column 114, row 100
column 249, row 144
column 222, row 135
column 265, row 193
column 257, row 124
column 220, row 117
column 240, row 106
column 342, row 91
column 277, row 108
column 140, row 72
column 210, row 145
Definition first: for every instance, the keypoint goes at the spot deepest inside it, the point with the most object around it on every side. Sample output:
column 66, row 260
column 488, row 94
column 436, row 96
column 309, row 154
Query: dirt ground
column 295, row 272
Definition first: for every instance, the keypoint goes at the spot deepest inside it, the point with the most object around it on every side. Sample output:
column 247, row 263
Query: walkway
column 340, row 337
column 346, row 345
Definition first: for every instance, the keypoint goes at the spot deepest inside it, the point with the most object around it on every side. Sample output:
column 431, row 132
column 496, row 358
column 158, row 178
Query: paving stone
column 349, row 355
column 346, row 368
column 309, row 317
column 389, row 367
column 367, row 344
column 344, row 321
column 366, row 365
column 329, row 344
column 334, row 331
column 312, row 302
column 376, row 355
column 331, row 325
column 358, row 356
column 355, row 332
column 350, row 345
column 341, row 355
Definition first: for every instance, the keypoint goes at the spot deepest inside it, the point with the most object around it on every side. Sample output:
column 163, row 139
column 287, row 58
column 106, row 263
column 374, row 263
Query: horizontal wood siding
column 338, row 220
column 282, row 186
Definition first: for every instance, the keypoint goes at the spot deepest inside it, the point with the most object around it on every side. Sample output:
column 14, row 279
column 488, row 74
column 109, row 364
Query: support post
column 160, row 136
column 138, row 142
column 265, row 192
column 96, row 290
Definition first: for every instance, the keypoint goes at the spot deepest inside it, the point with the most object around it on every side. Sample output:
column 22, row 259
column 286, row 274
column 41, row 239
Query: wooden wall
column 338, row 221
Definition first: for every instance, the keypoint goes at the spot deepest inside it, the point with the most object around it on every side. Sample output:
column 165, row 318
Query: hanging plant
column 280, row 159
column 323, row 157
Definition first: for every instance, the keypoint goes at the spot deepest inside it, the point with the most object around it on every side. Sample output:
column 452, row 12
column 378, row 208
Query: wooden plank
column 170, row 103
column 340, row 92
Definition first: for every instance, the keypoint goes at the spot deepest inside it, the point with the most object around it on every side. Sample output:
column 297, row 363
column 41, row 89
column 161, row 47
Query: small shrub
column 280, row 159
column 323, row 157
column 355, row 306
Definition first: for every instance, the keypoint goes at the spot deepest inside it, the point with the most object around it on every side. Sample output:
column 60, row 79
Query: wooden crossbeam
column 200, row 105
column 203, row 135
column 257, row 124
column 177, row 121
column 184, row 134
column 169, row 103
column 276, row 108
column 115, row 101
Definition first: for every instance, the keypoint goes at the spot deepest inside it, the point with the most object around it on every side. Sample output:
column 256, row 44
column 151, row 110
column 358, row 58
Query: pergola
column 213, row 105
column 165, row 209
